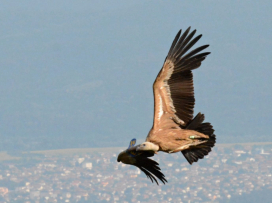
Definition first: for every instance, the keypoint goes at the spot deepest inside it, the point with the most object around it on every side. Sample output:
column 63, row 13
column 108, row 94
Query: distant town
column 228, row 172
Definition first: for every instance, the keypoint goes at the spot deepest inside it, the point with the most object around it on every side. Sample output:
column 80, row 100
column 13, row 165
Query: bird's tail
column 199, row 151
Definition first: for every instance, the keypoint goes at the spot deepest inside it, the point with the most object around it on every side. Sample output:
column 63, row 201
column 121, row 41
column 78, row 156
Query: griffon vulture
column 174, row 127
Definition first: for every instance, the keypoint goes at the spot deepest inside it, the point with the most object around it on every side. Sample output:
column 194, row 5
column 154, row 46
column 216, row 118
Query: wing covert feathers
column 173, row 87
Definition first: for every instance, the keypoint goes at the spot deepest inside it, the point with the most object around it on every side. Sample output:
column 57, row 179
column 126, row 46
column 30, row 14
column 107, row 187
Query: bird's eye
column 144, row 145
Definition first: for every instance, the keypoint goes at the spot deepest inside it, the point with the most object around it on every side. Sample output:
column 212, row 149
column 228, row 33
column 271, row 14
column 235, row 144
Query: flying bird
column 174, row 127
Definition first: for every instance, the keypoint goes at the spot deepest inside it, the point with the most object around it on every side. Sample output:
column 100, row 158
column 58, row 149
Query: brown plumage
column 174, row 128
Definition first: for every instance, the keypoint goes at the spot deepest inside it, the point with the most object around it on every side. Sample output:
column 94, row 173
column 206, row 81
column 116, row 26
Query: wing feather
column 173, row 88
column 140, row 159
column 151, row 169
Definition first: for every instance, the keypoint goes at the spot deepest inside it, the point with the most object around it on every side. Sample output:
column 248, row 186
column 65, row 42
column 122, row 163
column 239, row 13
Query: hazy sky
column 77, row 69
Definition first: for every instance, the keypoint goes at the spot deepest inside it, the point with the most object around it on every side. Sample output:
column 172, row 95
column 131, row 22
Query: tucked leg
column 193, row 144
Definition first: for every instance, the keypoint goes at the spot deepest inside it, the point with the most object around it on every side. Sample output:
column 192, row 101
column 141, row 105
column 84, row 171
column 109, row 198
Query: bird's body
column 177, row 139
column 174, row 127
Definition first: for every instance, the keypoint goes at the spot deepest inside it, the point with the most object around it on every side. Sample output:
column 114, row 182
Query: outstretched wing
column 173, row 88
column 148, row 166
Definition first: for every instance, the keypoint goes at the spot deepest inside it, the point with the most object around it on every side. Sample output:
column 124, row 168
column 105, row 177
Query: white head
column 147, row 146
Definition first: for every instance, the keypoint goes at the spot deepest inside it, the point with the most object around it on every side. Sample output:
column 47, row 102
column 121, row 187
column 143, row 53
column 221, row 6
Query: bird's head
column 121, row 156
column 147, row 146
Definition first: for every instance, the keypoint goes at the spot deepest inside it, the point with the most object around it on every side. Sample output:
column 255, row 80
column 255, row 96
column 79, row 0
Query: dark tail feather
column 198, row 152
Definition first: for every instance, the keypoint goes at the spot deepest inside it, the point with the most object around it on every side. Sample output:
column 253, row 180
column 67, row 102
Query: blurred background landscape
column 230, row 173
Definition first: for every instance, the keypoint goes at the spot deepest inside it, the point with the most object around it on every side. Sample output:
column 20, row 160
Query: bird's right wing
column 150, row 168
column 140, row 159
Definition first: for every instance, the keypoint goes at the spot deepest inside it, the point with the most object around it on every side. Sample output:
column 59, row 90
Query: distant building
column 263, row 152
column 3, row 191
column 80, row 160
column 88, row 165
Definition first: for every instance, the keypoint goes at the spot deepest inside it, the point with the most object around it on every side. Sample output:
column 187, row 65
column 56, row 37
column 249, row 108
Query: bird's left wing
column 173, row 88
